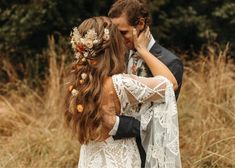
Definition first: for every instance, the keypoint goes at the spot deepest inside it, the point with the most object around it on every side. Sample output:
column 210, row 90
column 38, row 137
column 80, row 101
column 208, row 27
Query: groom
column 126, row 15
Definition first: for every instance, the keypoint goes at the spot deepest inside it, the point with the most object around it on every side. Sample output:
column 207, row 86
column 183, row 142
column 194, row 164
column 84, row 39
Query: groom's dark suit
column 129, row 126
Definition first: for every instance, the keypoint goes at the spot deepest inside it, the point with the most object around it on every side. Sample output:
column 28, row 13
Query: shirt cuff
column 115, row 127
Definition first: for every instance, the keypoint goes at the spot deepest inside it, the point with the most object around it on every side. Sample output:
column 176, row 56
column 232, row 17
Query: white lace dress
column 159, row 127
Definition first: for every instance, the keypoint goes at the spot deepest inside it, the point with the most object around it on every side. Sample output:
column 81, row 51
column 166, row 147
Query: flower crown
column 84, row 46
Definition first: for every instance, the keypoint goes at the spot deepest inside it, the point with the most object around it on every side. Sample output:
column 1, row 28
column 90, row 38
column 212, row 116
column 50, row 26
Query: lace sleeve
column 141, row 89
column 159, row 122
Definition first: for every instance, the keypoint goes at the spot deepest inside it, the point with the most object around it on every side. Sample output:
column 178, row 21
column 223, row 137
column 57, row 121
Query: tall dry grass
column 32, row 133
column 207, row 111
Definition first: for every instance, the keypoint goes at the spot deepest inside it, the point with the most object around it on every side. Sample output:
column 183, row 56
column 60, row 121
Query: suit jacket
column 129, row 126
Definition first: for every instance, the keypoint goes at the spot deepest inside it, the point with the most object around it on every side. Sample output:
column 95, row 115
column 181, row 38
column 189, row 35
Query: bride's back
column 110, row 105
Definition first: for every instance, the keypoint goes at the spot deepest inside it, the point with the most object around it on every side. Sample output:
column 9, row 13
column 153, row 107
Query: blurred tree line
column 182, row 25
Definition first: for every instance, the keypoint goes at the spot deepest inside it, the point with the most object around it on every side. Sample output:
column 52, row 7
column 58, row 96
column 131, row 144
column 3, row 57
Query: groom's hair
column 134, row 10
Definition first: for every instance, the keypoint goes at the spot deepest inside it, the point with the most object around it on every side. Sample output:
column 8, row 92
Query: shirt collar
column 151, row 43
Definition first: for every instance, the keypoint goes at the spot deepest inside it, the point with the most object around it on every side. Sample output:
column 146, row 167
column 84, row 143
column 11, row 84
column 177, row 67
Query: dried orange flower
column 80, row 108
column 93, row 62
column 81, row 81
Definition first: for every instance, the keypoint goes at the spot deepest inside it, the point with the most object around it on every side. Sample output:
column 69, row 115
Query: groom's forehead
column 122, row 25
column 121, row 21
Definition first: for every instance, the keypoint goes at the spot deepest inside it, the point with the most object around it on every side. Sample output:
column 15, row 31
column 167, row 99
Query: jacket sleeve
column 176, row 67
column 128, row 127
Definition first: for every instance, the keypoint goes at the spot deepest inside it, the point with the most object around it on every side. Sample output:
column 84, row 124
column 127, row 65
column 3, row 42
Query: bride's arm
column 154, row 64
column 144, row 89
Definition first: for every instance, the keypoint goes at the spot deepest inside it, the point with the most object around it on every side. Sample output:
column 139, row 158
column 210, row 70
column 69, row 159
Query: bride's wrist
column 141, row 50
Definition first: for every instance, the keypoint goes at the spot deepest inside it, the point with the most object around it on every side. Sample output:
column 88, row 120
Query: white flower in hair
column 106, row 34
column 89, row 43
column 106, row 31
column 106, row 37
column 73, row 44
column 85, row 54
column 91, row 34
column 76, row 34
column 74, row 92
column 84, row 76
column 82, row 40
column 95, row 41
column 77, row 55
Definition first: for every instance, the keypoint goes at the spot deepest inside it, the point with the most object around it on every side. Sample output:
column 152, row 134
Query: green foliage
column 186, row 25
column 25, row 26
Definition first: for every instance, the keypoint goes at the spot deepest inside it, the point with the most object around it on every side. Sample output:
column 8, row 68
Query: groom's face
column 126, row 30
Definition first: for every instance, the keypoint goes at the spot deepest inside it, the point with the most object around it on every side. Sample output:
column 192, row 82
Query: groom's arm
column 125, row 127
column 177, row 69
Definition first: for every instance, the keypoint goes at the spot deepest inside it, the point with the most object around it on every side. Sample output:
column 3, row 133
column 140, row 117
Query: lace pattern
column 159, row 121
column 110, row 154
column 118, row 86
column 159, row 127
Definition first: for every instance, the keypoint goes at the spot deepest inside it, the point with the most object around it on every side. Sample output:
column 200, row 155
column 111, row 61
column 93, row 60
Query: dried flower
column 75, row 35
column 84, row 76
column 106, row 37
column 106, row 31
column 89, row 43
column 85, row 54
column 77, row 55
column 74, row 92
column 80, row 108
column 93, row 62
column 80, row 48
column 83, row 59
column 91, row 34
column 95, row 41
column 81, row 81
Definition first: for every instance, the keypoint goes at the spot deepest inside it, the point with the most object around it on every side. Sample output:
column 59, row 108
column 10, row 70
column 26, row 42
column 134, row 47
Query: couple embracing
column 123, row 87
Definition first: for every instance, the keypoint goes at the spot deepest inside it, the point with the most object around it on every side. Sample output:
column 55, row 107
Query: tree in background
column 26, row 24
column 186, row 25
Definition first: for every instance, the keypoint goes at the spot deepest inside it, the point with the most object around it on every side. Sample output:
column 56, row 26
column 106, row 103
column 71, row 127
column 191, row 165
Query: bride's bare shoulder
column 109, row 94
column 108, row 86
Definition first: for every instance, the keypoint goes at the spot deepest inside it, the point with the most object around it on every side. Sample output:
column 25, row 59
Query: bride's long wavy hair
column 86, row 122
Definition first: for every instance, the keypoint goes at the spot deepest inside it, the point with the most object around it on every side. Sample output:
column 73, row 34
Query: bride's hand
column 141, row 41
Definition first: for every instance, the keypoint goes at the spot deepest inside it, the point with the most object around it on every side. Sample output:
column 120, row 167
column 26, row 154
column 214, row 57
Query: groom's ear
column 141, row 24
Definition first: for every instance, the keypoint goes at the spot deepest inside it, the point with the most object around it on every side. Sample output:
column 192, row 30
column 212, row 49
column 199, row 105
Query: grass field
column 32, row 134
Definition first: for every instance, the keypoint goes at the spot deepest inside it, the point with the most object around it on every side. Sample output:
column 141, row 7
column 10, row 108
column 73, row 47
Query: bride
column 97, row 78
